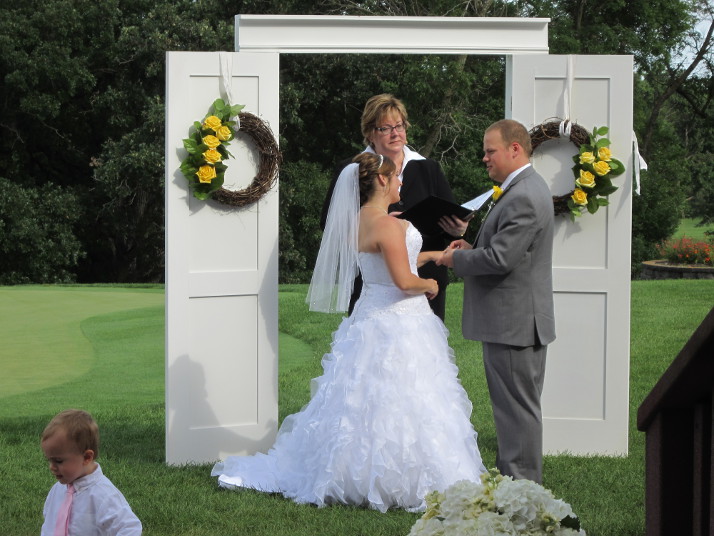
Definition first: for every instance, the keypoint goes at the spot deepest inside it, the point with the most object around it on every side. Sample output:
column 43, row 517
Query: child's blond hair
column 80, row 427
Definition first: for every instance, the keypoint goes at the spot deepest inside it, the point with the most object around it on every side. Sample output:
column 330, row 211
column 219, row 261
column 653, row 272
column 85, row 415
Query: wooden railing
column 677, row 419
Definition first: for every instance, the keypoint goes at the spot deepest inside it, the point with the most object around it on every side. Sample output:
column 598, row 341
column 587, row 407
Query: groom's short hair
column 513, row 131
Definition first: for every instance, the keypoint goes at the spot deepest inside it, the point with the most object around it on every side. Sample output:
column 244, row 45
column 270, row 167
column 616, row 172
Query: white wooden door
column 221, row 274
column 586, row 392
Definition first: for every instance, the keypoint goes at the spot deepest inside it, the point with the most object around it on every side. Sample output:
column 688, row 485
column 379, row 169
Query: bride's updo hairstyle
column 371, row 165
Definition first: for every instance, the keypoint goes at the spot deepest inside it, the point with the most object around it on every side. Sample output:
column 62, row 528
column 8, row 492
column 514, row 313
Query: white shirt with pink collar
column 98, row 508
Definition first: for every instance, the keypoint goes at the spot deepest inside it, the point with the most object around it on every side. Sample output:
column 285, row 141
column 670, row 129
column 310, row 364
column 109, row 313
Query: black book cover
column 425, row 215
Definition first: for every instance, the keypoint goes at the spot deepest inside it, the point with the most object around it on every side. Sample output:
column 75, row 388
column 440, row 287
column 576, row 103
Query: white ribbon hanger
column 638, row 163
column 566, row 124
column 226, row 64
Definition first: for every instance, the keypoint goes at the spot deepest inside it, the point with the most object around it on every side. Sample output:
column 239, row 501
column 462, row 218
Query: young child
column 83, row 501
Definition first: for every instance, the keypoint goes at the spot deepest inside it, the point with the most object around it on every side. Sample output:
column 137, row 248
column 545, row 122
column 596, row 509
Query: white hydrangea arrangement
column 496, row 506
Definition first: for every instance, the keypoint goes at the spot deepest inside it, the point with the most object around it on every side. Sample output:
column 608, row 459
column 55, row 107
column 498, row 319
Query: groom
column 508, row 296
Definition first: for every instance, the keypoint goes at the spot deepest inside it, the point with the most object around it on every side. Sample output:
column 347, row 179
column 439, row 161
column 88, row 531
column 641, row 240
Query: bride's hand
column 434, row 290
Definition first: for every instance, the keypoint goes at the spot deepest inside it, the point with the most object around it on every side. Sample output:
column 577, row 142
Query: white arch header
column 311, row 34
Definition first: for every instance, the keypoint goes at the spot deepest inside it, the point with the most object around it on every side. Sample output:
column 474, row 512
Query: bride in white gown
column 388, row 421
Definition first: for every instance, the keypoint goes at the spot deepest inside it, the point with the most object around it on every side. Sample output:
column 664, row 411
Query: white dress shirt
column 98, row 508
column 511, row 176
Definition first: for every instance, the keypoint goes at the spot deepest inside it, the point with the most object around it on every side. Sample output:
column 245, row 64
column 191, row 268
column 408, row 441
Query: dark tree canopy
column 82, row 115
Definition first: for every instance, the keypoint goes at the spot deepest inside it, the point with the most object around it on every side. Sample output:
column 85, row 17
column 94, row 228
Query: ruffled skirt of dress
column 387, row 423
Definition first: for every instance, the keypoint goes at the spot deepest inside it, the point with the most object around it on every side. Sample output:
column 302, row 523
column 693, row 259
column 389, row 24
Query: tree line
column 82, row 99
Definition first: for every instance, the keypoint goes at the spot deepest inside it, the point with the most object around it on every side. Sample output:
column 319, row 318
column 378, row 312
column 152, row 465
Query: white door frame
column 271, row 34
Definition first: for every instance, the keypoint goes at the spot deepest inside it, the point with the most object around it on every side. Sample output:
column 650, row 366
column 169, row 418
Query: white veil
column 336, row 265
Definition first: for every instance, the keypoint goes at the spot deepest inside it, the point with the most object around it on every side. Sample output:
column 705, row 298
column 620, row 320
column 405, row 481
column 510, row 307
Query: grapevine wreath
column 205, row 167
column 594, row 167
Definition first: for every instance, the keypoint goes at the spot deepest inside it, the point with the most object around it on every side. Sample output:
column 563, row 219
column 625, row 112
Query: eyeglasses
column 399, row 127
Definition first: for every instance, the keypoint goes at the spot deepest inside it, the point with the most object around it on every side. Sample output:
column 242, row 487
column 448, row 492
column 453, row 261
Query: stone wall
column 663, row 270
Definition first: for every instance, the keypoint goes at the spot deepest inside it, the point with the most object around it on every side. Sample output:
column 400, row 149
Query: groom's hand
column 459, row 244
column 447, row 257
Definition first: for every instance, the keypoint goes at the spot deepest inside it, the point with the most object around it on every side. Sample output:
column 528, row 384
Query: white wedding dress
column 388, row 421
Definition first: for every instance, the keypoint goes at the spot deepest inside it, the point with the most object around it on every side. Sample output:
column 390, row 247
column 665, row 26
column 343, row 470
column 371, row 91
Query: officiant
column 384, row 127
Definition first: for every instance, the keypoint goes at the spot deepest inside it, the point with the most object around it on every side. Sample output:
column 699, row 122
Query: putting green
column 42, row 341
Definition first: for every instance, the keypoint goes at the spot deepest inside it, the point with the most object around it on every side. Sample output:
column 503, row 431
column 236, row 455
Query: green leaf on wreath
column 602, row 142
column 607, row 189
column 198, row 126
column 187, row 168
column 616, row 167
column 190, row 145
column 219, row 106
column 602, row 201
column 236, row 109
column 592, row 205
column 601, row 131
column 200, row 195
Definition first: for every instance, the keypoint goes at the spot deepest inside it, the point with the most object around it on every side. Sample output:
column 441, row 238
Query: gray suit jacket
column 508, row 280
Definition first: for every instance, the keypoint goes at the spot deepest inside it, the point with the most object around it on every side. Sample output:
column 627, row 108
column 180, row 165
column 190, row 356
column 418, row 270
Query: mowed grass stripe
column 40, row 326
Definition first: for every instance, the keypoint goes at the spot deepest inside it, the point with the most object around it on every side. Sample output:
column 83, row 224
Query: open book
column 426, row 214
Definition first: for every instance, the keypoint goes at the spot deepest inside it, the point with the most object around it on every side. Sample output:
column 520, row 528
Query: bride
column 388, row 421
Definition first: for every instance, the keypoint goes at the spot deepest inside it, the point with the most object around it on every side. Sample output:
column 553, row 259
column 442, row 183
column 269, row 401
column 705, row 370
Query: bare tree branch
column 674, row 84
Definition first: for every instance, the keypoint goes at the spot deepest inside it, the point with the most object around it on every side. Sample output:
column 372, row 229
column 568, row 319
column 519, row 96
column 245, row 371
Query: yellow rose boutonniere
column 594, row 169
column 204, row 166
column 497, row 193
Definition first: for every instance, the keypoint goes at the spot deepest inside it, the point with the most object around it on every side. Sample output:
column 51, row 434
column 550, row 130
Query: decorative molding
column 310, row 34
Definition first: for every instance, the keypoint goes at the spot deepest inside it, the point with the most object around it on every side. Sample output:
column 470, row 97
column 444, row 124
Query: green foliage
column 127, row 242
column 302, row 192
column 82, row 103
column 649, row 29
column 37, row 240
column 655, row 214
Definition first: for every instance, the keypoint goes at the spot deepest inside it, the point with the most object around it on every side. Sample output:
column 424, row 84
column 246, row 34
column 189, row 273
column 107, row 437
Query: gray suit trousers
column 515, row 382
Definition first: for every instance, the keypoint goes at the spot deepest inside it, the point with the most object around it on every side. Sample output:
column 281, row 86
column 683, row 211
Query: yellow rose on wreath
column 586, row 180
column 211, row 141
column 212, row 156
column 601, row 168
column 579, row 197
column 603, row 153
column 587, row 158
column 206, row 174
column 224, row 133
column 212, row 122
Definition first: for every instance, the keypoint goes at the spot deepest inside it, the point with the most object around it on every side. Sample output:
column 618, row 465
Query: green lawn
column 688, row 227
column 101, row 349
